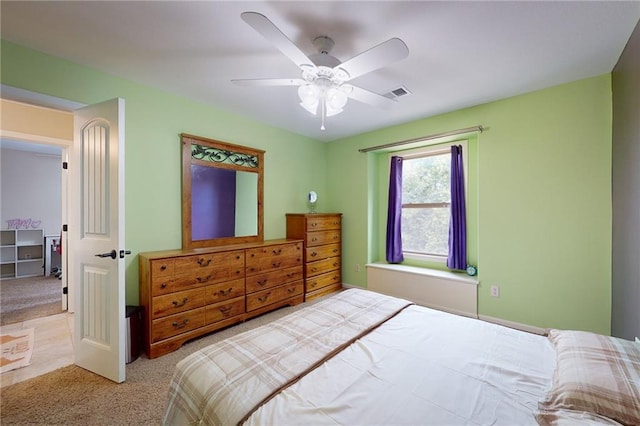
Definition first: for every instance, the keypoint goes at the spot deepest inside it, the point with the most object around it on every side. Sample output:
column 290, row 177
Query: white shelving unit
column 21, row 253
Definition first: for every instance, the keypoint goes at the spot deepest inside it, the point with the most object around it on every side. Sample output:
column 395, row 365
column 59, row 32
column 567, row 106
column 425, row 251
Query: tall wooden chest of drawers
column 321, row 233
column 188, row 293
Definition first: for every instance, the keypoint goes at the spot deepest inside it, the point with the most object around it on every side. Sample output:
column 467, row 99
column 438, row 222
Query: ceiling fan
column 323, row 86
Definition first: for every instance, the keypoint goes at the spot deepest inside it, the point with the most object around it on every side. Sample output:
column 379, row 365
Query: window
column 426, row 201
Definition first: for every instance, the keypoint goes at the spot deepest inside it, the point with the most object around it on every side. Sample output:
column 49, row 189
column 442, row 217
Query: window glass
column 425, row 203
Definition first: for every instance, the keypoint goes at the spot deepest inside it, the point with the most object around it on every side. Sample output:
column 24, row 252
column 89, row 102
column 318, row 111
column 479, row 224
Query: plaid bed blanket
column 225, row 382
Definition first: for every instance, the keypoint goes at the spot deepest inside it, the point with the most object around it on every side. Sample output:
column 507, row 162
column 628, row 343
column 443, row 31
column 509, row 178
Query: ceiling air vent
column 398, row 92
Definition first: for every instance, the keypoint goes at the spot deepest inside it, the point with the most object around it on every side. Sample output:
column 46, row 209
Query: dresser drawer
column 165, row 285
column 196, row 279
column 323, row 223
column 268, row 259
column 181, row 301
column 224, row 291
column 203, row 277
column 268, row 253
column 162, row 268
column 209, row 262
column 272, row 279
column 176, row 324
column 224, row 310
column 322, row 237
column 267, row 297
column 319, row 281
column 322, row 252
column 322, row 266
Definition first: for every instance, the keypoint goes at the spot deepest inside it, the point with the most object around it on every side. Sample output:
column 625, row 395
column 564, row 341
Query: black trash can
column 133, row 341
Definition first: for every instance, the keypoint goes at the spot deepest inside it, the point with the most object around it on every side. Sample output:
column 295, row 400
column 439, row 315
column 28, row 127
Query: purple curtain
column 457, row 258
column 394, row 213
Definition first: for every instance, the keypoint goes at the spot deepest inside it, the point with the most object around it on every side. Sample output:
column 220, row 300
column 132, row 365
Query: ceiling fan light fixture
column 311, row 107
column 336, row 99
column 309, row 96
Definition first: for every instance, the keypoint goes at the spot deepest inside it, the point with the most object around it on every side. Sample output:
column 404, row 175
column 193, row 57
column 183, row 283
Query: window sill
column 416, row 270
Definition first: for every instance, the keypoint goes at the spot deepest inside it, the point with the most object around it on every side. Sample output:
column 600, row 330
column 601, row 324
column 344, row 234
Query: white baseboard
column 517, row 325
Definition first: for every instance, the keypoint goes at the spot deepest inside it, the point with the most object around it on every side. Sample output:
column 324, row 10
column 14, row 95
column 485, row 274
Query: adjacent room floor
column 53, row 346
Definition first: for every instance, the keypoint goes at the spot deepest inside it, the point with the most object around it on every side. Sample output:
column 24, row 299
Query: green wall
column 543, row 182
column 153, row 123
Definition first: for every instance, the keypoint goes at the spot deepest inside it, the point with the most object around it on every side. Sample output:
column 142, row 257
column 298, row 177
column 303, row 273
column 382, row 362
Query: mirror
column 222, row 193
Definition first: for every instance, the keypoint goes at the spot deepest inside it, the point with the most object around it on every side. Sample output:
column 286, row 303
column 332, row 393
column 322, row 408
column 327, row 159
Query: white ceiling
column 460, row 53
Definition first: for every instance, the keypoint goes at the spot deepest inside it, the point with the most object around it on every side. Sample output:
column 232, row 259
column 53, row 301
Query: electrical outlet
column 357, row 267
column 495, row 291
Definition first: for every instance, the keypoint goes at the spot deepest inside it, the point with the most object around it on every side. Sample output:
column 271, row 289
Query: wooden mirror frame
column 253, row 157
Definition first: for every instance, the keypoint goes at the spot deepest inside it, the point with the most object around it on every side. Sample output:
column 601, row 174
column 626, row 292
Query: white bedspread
column 422, row 367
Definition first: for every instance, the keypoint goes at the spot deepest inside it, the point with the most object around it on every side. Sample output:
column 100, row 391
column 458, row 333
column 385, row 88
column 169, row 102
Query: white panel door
column 96, row 238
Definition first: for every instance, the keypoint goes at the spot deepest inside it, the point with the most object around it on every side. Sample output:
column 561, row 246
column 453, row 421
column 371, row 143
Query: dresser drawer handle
column 335, row 250
column 203, row 280
column 335, row 263
column 292, row 274
column 163, row 268
column 177, row 304
column 314, row 269
column 262, row 282
column 291, row 289
column 313, row 284
column 335, row 237
column 276, row 264
column 313, row 224
column 264, row 298
column 277, row 252
column 314, row 254
column 336, row 278
column 163, row 285
column 225, row 292
column 180, row 324
column 204, row 262
column 314, row 239
column 237, row 257
column 335, row 222
column 225, row 310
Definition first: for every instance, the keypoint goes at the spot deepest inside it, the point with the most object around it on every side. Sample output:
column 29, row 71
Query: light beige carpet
column 22, row 299
column 16, row 349
column 73, row 396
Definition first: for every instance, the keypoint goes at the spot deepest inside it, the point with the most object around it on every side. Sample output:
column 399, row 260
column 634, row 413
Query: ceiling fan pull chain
column 324, row 111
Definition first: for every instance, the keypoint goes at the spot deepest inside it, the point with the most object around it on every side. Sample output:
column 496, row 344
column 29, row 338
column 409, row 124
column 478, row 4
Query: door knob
column 112, row 254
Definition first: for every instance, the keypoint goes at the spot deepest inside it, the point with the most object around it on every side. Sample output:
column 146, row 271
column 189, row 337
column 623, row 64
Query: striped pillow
column 595, row 374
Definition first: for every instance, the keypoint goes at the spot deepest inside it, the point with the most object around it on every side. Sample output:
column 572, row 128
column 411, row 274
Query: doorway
column 31, row 118
column 32, row 283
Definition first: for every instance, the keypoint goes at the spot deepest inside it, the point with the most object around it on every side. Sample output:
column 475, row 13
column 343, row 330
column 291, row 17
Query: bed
column 362, row 358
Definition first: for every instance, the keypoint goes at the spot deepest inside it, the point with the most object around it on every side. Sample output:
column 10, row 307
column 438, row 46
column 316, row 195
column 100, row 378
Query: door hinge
column 65, row 290
column 65, row 165
column 65, row 227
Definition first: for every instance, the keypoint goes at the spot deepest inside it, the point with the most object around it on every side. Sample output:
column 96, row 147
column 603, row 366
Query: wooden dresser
column 321, row 233
column 188, row 293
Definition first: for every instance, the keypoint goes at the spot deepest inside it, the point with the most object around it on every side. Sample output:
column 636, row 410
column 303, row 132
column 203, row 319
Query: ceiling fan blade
column 368, row 97
column 264, row 26
column 378, row 56
column 270, row 82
